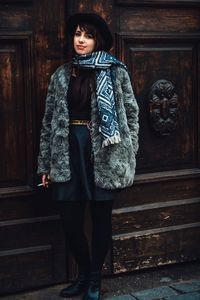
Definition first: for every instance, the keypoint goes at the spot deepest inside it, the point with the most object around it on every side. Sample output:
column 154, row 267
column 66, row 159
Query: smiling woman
column 88, row 144
column 84, row 41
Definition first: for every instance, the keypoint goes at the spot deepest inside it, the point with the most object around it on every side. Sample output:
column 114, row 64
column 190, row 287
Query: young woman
column 88, row 144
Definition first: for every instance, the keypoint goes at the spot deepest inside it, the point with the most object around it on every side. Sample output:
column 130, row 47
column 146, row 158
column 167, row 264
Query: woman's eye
column 89, row 35
column 77, row 33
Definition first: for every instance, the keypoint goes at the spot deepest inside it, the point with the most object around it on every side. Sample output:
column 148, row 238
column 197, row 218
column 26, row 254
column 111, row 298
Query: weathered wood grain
column 155, row 221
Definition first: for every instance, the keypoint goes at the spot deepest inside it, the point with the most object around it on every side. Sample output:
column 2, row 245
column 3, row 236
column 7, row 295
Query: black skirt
column 81, row 186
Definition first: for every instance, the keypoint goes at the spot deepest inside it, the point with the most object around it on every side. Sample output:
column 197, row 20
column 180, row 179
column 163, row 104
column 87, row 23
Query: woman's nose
column 81, row 38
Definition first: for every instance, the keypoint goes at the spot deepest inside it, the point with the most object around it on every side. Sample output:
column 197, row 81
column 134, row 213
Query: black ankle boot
column 77, row 287
column 94, row 288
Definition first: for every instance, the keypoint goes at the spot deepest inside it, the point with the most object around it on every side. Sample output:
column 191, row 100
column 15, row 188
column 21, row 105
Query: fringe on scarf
column 115, row 139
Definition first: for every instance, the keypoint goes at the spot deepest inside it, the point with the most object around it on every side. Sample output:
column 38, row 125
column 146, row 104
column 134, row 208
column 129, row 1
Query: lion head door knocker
column 163, row 107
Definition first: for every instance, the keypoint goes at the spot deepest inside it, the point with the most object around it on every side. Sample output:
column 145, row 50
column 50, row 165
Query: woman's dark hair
column 91, row 29
column 86, row 77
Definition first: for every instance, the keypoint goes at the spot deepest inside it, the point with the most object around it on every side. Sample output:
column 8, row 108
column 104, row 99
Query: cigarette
column 40, row 184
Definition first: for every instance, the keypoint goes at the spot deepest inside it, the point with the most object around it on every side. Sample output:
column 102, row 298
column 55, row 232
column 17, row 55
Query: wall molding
column 164, row 3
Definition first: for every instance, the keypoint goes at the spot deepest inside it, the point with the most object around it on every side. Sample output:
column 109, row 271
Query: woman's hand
column 45, row 180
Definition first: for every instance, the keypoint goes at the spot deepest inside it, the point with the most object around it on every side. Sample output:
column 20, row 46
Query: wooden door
column 32, row 45
column 156, row 221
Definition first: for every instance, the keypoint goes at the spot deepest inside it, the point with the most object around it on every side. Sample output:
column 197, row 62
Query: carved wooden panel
column 16, row 111
column 158, row 20
column 170, row 58
column 163, row 107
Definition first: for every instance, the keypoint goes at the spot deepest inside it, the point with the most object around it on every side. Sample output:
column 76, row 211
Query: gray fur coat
column 114, row 165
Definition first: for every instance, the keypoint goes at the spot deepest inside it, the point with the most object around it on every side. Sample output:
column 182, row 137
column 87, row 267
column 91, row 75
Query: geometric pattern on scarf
column 102, row 62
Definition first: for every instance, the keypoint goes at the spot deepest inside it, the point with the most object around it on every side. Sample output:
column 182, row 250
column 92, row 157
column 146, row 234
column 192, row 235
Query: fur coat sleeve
column 132, row 110
column 45, row 147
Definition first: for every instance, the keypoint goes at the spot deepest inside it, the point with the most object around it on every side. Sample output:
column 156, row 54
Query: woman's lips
column 80, row 47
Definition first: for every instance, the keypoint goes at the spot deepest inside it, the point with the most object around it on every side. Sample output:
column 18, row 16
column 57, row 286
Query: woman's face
column 84, row 42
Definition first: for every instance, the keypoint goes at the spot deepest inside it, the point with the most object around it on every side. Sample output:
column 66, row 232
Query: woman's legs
column 72, row 217
column 101, row 213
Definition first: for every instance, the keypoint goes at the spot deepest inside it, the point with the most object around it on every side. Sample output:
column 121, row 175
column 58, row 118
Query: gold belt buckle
column 79, row 122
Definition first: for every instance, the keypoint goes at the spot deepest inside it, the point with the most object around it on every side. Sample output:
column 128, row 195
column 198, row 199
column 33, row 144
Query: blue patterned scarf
column 102, row 62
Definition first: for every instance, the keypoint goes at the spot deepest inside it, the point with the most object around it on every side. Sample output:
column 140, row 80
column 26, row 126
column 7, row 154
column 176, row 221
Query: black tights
column 72, row 216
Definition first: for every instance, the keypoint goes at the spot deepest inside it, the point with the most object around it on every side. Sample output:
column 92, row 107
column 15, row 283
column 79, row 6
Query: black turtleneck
column 79, row 94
